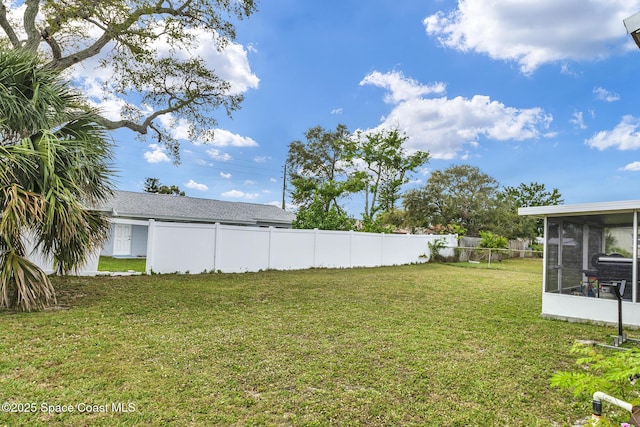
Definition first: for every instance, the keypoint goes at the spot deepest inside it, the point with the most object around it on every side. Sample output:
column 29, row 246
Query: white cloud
column 336, row 111
column 196, row 186
column 219, row 155
column 578, row 120
column 225, row 175
column 261, row 159
column 400, row 87
column 632, row 167
column 624, row 136
column 237, row 194
column 157, row 154
column 180, row 129
column 533, row 33
column 604, row 95
column 230, row 64
column 274, row 203
column 224, row 138
column 444, row 126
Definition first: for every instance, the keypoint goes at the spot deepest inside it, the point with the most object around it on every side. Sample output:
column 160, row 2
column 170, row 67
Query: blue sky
column 527, row 91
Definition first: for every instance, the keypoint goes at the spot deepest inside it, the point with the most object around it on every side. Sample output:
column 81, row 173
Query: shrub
column 614, row 374
column 435, row 247
column 493, row 241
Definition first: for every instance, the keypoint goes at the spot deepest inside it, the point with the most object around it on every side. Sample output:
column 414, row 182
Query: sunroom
column 590, row 261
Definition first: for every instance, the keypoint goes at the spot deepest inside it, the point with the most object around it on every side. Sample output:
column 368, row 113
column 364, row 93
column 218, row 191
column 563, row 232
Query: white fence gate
column 196, row 248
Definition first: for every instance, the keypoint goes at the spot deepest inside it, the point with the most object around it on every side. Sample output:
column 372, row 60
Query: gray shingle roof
column 128, row 204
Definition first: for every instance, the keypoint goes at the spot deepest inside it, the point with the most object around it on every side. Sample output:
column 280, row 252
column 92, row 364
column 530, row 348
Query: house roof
column 127, row 204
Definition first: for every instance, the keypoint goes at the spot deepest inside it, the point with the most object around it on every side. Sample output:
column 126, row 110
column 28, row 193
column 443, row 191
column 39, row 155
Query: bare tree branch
column 121, row 33
column 6, row 26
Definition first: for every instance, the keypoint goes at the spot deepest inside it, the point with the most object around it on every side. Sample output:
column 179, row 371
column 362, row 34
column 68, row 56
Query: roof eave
column 185, row 219
column 582, row 208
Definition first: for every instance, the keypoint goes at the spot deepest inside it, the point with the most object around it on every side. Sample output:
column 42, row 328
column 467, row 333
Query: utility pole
column 284, row 185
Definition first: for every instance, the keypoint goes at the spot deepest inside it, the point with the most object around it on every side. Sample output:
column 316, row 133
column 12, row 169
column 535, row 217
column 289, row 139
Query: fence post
column 216, row 244
column 270, row 248
column 151, row 231
column 351, row 248
column 315, row 247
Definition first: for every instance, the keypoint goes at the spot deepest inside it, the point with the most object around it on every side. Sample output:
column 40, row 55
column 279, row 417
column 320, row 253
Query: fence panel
column 291, row 249
column 332, row 249
column 366, row 250
column 194, row 248
column 176, row 247
column 241, row 249
column 403, row 249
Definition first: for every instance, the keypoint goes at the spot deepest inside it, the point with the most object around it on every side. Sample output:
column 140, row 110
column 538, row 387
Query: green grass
column 525, row 265
column 112, row 264
column 430, row 344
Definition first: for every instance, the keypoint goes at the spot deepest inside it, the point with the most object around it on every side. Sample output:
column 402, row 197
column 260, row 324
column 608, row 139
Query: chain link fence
column 489, row 255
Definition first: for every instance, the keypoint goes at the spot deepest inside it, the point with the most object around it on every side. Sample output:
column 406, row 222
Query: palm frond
column 54, row 161
column 23, row 284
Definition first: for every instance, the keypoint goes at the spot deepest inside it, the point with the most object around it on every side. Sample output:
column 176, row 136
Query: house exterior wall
column 568, row 307
column 139, row 235
column 107, row 248
column 46, row 263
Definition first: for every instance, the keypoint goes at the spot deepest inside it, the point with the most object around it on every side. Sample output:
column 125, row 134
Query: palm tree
column 54, row 163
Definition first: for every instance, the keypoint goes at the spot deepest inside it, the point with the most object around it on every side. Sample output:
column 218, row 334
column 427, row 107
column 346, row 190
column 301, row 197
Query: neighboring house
column 589, row 249
column 130, row 213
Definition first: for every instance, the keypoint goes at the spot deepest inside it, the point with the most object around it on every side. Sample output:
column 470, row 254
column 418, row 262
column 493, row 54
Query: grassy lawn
column 523, row 265
column 434, row 344
column 112, row 264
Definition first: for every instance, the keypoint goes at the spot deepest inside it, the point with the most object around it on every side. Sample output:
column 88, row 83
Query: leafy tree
column 533, row 194
column 505, row 221
column 315, row 216
column 125, row 36
column 393, row 217
column 387, row 166
column 153, row 185
column 526, row 195
column 53, row 163
column 320, row 169
column 460, row 195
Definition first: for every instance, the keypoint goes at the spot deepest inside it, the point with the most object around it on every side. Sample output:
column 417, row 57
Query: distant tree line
column 333, row 165
column 153, row 185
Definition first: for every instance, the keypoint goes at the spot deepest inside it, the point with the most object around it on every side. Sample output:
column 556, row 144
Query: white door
column 122, row 239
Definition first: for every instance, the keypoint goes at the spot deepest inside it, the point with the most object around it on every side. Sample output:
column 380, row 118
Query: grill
column 615, row 271
column 612, row 268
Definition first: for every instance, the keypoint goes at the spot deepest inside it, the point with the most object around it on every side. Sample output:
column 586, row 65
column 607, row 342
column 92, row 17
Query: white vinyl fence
column 196, row 248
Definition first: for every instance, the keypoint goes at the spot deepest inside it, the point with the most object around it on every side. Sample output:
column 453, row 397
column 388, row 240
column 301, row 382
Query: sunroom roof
column 582, row 209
